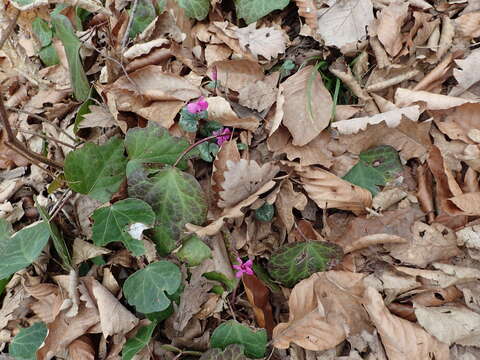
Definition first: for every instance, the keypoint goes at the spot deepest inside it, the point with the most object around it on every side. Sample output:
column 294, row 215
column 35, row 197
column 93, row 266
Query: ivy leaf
column 376, row 167
column 112, row 223
column 175, row 197
column 24, row 346
column 96, row 170
column 208, row 151
column 57, row 238
column 197, row 9
column 252, row 10
column 146, row 288
column 49, row 56
column 194, row 251
column 20, row 250
column 232, row 332
column 83, row 110
column 138, row 342
column 42, row 31
column 231, row 352
column 154, row 144
column 265, row 213
column 66, row 34
column 144, row 15
column 297, row 261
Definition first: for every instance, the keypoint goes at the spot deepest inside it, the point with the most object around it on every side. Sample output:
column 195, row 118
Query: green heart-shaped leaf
column 176, row 198
column 297, row 261
column 194, row 251
column 20, row 250
column 27, row 341
column 252, row 10
column 144, row 15
column 96, row 170
column 376, row 167
column 154, row 144
column 232, row 332
column 112, row 223
column 146, row 288
column 197, row 9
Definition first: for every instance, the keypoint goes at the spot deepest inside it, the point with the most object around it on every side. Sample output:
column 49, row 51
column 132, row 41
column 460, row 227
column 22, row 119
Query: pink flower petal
column 239, row 274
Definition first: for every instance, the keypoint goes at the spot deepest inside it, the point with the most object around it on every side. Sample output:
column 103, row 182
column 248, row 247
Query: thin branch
column 129, row 25
column 46, row 137
column 9, row 29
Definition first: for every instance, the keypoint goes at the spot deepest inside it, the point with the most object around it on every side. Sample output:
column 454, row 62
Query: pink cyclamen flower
column 243, row 268
column 197, row 106
column 214, row 74
column 225, row 132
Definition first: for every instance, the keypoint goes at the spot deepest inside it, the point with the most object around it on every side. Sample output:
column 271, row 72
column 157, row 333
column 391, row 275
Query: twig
column 45, row 137
column 9, row 29
column 60, row 203
column 17, row 146
column 129, row 25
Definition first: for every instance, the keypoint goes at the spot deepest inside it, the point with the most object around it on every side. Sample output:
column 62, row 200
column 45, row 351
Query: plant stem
column 8, row 30
column 191, row 147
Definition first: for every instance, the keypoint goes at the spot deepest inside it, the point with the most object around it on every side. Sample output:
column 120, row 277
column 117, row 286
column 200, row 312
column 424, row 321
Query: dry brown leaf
column 226, row 32
column 219, row 110
column 324, row 310
column 83, row 250
column 99, row 116
column 329, row 191
column 305, row 8
column 314, row 153
column 389, row 26
column 451, row 324
column 242, row 179
column 228, row 151
column 308, row 105
column 372, row 240
column 464, row 204
column 468, row 25
column 260, row 95
column 410, row 138
column 352, row 17
column 153, row 83
column 81, row 349
column 49, row 300
column 428, row 244
column 401, row 338
column 144, row 48
column 236, row 74
column 259, row 298
column 114, row 317
column 390, row 118
column 287, row 199
column 445, row 276
column 458, row 122
column 266, row 41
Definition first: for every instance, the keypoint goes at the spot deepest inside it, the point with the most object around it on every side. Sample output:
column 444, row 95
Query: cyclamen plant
column 192, row 114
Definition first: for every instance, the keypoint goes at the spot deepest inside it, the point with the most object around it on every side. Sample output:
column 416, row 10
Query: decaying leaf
column 267, row 42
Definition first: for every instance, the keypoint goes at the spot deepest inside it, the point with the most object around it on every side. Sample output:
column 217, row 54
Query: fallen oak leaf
column 267, row 41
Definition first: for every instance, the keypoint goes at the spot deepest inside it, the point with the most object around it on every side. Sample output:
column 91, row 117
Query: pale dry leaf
column 144, row 48
column 458, row 122
column 464, row 204
column 305, row 9
column 81, row 349
column 432, row 101
column 352, row 17
column 372, row 240
column 114, row 317
column 228, row 151
column 445, row 276
column 329, row 191
column 314, row 153
column 451, row 324
column 390, row 22
column 49, row 300
column 467, row 75
column 153, row 83
column 308, row 105
column 469, row 236
column 446, row 36
column 468, row 25
column 401, row 338
column 259, row 95
column 276, row 120
column 242, row 179
column 225, row 32
column 83, row 250
column 266, row 41
column 219, row 110
column 324, row 310
column 287, row 199
column 99, row 116
column 428, row 244
column 391, row 118
column 236, row 74
column 215, row 53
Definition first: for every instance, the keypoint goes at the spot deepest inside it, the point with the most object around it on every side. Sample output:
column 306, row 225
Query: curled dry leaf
column 287, row 199
column 431, row 101
column 83, row 250
column 228, row 151
column 267, row 41
column 242, row 179
column 308, row 105
column 259, row 298
column 390, row 118
column 401, row 338
column 144, row 48
column 329, row 191
column 261, row 94
column 305, row 8
column 236, row 74
column 468, row 25
column 465, row 204
column 467, row 75
column 219, row 110
column 82, row 349
column 458, row 122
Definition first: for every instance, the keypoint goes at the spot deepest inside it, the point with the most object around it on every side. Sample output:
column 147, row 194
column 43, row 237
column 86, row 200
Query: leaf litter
column 239, row 179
